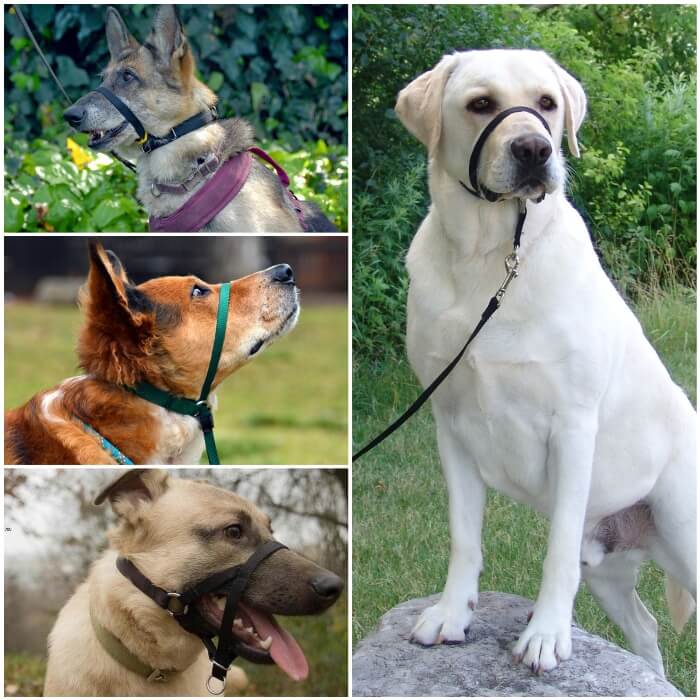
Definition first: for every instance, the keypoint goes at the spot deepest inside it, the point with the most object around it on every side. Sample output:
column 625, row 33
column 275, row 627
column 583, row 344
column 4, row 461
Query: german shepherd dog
column 160, row 332
column 157, row 82
column 110, row 637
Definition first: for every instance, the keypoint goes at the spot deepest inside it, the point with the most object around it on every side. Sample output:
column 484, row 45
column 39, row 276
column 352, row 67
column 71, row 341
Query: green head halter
column 198, row 408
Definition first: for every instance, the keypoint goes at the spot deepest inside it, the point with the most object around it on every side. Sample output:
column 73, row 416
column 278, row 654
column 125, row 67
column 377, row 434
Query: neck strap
column 198, row 408
column 147, row 141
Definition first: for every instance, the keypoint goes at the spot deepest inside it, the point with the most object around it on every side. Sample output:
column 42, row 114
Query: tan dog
column 178, row 532
column 159, row 332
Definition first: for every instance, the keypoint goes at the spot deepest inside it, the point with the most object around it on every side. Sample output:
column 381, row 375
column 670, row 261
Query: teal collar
column 114, row 452
column 198, row 408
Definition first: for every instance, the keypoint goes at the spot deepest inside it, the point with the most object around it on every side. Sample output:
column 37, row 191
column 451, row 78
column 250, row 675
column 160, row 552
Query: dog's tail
column 680, row 603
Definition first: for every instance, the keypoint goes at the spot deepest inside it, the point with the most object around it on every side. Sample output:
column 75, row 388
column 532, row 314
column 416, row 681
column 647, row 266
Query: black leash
column 511, row 262
column 45, row 61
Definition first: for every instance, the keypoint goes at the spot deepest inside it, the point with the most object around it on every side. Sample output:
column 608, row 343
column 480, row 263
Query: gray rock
column 386, row 664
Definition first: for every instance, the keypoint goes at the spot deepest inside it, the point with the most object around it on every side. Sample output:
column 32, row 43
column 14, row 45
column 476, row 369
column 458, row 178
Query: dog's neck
column 147, row 631
column 476, row 228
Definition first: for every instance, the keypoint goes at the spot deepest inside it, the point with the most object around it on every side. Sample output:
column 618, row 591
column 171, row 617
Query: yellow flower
column 79, row 154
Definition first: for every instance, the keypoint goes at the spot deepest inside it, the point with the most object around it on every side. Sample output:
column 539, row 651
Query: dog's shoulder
column 239, row 136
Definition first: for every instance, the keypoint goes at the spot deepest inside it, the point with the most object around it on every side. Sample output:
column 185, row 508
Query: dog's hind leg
column 612, row 584
column 448, row 620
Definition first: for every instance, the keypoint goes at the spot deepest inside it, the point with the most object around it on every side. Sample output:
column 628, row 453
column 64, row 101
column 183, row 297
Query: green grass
column 324, row 639
column 289, row 406
column 400, row 528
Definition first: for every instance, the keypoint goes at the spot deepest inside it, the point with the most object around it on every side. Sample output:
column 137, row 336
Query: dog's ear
column 419, row 105
column 120, row 321
column 118, row 37
column 131, row 490
column 167, row 39
column 574, row 106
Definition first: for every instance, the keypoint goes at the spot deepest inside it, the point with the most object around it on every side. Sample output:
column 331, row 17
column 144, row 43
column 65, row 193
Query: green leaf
column 258, row 95
column 107, row 211
column 14, row 212
column 216, row 80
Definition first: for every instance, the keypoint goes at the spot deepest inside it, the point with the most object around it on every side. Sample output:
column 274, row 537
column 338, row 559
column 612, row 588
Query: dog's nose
column 327, row 585
column 74, row 116
column 283, row 273
column 531, row 149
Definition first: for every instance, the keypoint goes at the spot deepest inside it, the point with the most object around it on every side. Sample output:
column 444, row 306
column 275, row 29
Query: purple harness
column 217, row 192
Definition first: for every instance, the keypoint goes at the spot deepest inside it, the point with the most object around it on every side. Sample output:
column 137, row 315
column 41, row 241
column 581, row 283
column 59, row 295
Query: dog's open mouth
column 262, row 639
column 100, row 137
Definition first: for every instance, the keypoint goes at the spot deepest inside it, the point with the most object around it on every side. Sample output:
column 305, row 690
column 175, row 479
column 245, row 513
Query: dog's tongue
column 285, row 651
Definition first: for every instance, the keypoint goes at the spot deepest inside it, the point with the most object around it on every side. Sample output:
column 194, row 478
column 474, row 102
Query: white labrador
column 561, row 402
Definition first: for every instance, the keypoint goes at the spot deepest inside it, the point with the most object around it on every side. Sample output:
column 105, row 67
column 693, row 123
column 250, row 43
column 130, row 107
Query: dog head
column 162, row 331
column 180, row 532
column 156, row 80
column 449, row 106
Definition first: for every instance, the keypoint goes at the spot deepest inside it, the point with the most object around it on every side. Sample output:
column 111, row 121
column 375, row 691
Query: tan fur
column 680, row 603
column 158, row 520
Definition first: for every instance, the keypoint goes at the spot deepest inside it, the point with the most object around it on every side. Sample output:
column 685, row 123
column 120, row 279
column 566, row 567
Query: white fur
column 561, row 402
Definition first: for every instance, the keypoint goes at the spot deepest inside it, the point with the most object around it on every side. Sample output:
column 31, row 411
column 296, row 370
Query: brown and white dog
column 159, row 332
column 178, row 532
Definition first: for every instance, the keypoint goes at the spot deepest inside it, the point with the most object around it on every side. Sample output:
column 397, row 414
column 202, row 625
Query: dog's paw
column 439, row 624
column 543, row 645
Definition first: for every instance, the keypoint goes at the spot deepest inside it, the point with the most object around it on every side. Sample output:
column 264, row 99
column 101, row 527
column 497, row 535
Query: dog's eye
column 547, row 103
column 199, row 291
column 481, row 104
column 127, row 76
column 233, row 531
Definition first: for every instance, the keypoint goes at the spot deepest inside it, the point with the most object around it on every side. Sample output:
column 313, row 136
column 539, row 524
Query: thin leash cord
column 45, row 61
column 511, row 263
column 32, row 38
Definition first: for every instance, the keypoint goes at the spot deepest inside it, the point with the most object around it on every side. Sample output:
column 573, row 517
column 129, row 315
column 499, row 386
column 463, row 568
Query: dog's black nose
column 283, row 273
column 327, row 585
column 74, row 116
column 531, row 149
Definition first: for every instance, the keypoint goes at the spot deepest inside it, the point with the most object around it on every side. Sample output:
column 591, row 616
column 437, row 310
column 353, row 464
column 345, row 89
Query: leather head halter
column 477, row 189
column 147, row 141
column 181, row 605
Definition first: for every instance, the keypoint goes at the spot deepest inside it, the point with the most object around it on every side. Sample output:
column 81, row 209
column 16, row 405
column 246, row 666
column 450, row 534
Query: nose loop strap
column 487, row 131
column 124, row 110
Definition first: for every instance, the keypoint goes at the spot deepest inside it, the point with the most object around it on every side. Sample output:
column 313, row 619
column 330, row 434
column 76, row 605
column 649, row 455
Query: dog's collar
column 149, row 142
column 112, row 450
column 217, row 192
column 477, row 189
column 118, row 651
column 198, row 408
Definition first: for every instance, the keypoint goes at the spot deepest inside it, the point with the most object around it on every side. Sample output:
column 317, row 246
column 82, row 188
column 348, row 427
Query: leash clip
column 512, row 263
column 219, row 691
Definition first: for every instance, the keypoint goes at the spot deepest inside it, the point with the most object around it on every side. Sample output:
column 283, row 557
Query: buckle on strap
column 212, row 677
column 205, row 416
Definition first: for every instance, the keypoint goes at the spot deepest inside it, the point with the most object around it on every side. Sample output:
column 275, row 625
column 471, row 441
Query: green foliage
column 635, row 184
column 45, row 190
column 284, row 67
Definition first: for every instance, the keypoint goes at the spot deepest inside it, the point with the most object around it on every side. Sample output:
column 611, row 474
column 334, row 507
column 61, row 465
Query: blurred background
column 53, row 533
column 288, row 406
column 282, row 67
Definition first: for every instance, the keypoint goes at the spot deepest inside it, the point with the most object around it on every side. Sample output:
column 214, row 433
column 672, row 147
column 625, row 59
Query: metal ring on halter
column 216, row 692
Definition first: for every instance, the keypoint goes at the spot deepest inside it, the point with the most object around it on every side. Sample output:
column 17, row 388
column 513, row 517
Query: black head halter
column 229, row 582
column 147, row 141
column 479, row 190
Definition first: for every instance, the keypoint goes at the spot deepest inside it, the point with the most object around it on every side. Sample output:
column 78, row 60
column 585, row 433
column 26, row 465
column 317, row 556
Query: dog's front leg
column 448, row 620
column 547, row 638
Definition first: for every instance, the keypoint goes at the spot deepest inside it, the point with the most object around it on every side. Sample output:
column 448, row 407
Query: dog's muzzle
column 181, row 605
column 477, row 189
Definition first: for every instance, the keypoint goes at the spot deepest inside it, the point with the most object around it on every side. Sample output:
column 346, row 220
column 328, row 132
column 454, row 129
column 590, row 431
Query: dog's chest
column 179, row 439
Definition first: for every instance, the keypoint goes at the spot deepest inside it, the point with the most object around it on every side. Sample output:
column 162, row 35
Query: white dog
column 561, row 402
